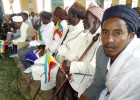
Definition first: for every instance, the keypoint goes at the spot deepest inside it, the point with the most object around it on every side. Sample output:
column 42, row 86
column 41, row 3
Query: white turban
column 25, row 11
column 17, row 19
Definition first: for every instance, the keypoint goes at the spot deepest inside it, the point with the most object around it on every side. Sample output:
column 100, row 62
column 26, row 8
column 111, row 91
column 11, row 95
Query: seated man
column 25, row 16
column 22, row 29
column 117, row 63
column 46, row 34
column 76, row 27
column 82, row 71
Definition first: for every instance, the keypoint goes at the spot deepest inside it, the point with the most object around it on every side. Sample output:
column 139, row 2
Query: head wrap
column 96, row 10
column 17, row 19
column 46, row 15
column 78, row 9
column 25, row 11
column 59, row 12
column 129, row 15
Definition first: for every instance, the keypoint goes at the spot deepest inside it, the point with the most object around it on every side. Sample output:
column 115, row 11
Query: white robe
column 68, row 45
column 81, row 82
column 47, row 35
column 23, row 36
column 123, row 78
column 56, row 41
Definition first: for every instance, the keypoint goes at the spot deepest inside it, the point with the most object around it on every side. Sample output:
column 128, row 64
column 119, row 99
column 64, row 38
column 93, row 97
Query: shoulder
column 101, row 57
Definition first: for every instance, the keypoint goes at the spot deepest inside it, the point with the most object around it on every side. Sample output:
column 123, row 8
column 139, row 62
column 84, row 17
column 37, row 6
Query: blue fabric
column 31, row 57
column 1, row 15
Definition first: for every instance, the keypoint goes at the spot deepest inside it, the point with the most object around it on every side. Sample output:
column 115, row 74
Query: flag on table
column 49, row 64
column 38, row 35
column 2, row 46
column 58, row 30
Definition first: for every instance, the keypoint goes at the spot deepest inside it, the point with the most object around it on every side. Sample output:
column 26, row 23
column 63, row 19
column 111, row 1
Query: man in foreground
column 117, row 63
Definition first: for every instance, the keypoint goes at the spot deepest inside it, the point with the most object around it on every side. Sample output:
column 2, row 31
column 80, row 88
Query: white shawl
column 123, row 78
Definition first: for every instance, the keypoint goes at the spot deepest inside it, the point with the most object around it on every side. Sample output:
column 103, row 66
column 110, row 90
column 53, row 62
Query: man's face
column 23, row 16
column 32, row 14
column 115, row 36
column 71, row 18
column 44, row 21
column 54, row 19
column 17, row 25
column 88, row 21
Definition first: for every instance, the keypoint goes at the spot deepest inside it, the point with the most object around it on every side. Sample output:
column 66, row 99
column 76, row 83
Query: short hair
column 46, row 15
column 25, row 14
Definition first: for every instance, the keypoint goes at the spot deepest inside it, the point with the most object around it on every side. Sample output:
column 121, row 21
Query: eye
column 104, row 32
column 117, row 33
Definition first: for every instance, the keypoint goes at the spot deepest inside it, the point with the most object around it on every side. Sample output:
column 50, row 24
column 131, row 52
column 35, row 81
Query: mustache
column 110, row 45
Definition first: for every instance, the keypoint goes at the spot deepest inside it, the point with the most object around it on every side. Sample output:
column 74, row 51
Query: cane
column 95, row 38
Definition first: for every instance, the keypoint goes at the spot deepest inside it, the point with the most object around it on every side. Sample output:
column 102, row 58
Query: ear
column 131, row 36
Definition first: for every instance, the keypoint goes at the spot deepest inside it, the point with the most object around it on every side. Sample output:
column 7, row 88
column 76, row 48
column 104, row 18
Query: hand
column 83, row 97
column 41, row 53
column 33, row 38
column 10, row 42
column 66, row 65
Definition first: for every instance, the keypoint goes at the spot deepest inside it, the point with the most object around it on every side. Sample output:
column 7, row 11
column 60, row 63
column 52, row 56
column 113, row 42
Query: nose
column 110, row 38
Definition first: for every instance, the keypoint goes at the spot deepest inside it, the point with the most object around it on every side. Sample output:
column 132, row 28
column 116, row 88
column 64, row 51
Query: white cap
column 25, row 11
column 17, row 19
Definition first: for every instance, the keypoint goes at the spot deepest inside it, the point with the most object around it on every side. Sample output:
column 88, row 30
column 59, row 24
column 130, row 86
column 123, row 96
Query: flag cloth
column 58, row 30
column 38, row 35
column 2, row 46
column 50, row 62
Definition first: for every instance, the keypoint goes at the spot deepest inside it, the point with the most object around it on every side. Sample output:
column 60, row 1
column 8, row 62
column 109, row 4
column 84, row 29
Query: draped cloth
column 123, row 78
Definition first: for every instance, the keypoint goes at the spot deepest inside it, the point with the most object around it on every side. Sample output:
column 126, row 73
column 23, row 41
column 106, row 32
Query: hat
column 96, row 10
column 17, row 19
column 25, row 11
column 59, row 12
column 78, row 9
column 129, row 15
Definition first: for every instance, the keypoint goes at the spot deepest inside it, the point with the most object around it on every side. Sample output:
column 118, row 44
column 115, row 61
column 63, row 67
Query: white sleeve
column 82, row 67
column 23, row 36
column 48, row 38
column 54, row 44
column 40, row 60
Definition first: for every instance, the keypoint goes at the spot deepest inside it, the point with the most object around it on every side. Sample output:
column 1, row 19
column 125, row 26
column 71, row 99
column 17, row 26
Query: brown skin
column 115, row 37
column 90, row 23
column 17, row 25
column 55, row 19
column 45, row 21
column 32, row 14
column 72, row 19
column 23, row 16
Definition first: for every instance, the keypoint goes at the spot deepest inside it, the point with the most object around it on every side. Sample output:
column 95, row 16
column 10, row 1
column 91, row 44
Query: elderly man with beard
column 82, row 71
column 117, row 64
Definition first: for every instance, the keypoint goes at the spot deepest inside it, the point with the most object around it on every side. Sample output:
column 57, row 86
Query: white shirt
column 56, row 41
column 47, row 33
column 34, row 19
column 23, row 36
